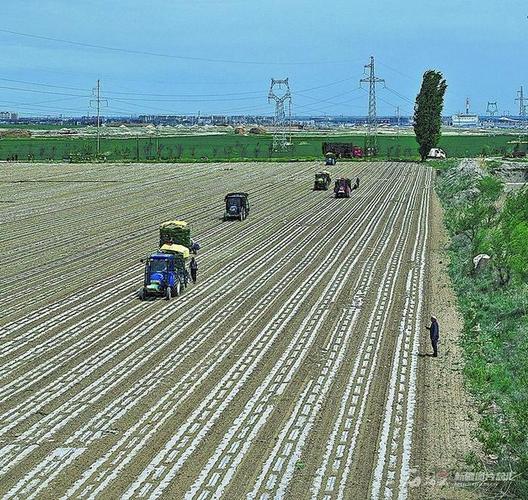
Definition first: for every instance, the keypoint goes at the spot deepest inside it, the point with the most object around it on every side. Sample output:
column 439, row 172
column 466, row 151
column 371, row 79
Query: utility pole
column 281, row 124
column 522, row 106
column 97, row 94
column 398, row 116
column 372, row 80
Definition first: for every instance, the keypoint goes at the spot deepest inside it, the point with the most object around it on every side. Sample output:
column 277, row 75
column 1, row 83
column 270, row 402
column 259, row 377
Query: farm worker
column 194, row 269
column 357, row 182
column 195, row 246
column 434, row 333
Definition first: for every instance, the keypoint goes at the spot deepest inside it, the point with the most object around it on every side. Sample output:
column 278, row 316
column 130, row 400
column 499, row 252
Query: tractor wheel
column 177, row 289
column 168, row 293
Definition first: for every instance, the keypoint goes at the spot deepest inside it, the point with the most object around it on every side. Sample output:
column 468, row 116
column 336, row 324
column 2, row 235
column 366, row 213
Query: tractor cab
column 165, row 272
column 322, row 180
column 330, row 158
column 342, row 188
column 236, row 206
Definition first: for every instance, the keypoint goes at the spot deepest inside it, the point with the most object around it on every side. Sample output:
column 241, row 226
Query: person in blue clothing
column 434, row 333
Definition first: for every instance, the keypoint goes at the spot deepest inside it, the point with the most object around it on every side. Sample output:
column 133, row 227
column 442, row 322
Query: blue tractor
column 165, row 272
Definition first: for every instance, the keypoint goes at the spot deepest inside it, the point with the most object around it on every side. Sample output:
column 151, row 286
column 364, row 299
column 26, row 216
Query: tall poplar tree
column 428, row 111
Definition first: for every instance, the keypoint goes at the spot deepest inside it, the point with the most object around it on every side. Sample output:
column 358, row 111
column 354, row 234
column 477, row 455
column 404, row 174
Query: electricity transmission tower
column 492, row 108
column 283, row 97
column 372, row 80
column 522, row 106
column 96, row 92
column 468, row 106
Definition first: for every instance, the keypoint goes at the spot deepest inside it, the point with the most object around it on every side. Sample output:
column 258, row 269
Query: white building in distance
column 464, row 120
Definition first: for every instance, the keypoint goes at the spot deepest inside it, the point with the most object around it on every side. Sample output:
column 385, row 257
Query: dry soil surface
column 291, row 369
column 446, row 416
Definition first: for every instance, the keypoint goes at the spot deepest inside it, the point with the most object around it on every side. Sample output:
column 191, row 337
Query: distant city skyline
column 218, row 57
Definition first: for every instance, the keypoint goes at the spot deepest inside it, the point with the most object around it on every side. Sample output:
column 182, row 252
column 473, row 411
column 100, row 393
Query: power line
column 33, row 91
column 396, row 71
column 147, row 94
column 160, row 54
column 397, row 94
column 41, row 84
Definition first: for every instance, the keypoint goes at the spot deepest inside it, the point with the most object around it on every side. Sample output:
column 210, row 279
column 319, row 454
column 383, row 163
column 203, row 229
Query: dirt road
column 289, row 370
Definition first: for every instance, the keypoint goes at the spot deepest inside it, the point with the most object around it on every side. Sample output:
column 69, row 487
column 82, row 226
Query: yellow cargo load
column 174, row 224
column 179, row 249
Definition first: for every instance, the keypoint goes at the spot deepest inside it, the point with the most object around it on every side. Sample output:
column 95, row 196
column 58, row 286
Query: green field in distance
column 235, row 147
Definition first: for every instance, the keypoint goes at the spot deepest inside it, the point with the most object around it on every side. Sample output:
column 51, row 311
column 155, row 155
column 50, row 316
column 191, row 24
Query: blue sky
column 320, row 45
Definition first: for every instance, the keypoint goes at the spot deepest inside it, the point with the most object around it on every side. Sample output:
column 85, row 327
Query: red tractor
column 343, row 188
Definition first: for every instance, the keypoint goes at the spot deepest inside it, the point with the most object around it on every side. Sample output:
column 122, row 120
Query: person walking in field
column 194, row 269
column 434, row 333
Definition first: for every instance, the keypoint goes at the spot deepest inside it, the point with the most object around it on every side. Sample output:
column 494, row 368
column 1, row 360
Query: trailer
column 343, row 150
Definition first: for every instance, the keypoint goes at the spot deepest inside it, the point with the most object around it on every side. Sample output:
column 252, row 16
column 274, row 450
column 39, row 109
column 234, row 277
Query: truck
column 343, row 150
column 342, row 188
column 236, row 206
column 322, row 181
column 165, row 273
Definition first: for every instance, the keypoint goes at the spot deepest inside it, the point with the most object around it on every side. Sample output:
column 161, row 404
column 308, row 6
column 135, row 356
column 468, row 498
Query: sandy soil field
column 294, row 367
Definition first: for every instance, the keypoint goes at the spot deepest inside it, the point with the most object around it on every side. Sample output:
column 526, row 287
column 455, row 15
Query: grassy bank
column 233, row 147
column 494, row 304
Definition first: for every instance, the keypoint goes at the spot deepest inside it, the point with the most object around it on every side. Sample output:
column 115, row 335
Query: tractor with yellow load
column 166, row 273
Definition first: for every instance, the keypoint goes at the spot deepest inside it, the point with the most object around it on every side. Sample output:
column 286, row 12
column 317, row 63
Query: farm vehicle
column 436, row 154
column 165, row 272
column 343, row 187
column 343, row 150
column 322, row 181
column 236, row 206
column 330, row 159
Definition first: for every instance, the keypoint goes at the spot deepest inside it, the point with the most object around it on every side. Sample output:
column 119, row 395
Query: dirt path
column 447, row 417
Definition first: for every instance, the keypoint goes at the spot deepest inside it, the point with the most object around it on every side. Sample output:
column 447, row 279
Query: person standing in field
column 434, row 333
column 194, row 269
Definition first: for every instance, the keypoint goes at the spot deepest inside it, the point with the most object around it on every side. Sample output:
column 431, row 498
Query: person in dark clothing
column 434, row 333
column 195, row 246
column 194, row 269
column 357, row 182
